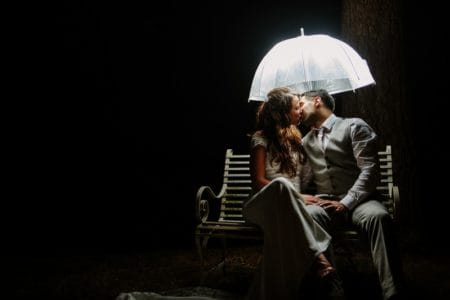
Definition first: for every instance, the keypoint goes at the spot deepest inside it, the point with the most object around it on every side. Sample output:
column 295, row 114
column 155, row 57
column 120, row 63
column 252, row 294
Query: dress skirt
column 292, row 240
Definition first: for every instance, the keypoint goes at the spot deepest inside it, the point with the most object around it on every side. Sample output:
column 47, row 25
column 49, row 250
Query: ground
column 104, row 275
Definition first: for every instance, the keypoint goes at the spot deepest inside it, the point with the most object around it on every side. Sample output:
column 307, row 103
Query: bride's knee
column 280, row 183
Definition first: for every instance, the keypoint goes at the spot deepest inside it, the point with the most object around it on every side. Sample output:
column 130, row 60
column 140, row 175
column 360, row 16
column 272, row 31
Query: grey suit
column 347, row 170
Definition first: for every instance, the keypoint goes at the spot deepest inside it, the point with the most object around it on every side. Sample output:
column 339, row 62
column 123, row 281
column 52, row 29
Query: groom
column 343, row 157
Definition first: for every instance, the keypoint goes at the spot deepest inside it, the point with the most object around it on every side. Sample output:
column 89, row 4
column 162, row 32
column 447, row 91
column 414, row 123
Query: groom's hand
column 332, row 206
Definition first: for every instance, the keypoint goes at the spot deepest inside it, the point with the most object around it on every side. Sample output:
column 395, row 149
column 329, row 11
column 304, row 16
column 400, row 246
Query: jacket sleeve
column 364, row 144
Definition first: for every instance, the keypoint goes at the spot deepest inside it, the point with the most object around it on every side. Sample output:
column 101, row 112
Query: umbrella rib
column 351, row 61
column 262, row 72
column 304, row 68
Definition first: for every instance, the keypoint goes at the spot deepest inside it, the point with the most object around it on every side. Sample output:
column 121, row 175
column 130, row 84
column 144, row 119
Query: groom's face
column 308, row 110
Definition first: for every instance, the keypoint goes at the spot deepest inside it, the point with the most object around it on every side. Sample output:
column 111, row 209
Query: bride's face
column 295, row 111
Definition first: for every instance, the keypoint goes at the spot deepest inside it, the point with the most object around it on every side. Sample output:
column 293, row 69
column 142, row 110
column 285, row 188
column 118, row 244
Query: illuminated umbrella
column 310, row 62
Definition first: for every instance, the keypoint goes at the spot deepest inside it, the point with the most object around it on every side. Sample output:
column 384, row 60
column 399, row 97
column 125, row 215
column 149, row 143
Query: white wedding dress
column 292, row 239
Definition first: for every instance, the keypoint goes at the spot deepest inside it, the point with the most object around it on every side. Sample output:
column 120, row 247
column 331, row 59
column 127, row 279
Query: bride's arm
column 258, row 167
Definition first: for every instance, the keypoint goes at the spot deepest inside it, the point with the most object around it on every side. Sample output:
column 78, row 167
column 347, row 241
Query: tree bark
column 374, row 29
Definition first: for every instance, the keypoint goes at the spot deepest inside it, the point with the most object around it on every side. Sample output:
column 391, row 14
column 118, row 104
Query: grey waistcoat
column 335, row 169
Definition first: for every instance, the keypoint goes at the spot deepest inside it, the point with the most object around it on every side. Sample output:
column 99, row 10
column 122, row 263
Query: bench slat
column 232, row 216
column 238, row 163
column 239, row 188
column 236, row 195
column 228, row 168
column 233, row 202
column 239, row 156
column 232, row 209
column 237, row 181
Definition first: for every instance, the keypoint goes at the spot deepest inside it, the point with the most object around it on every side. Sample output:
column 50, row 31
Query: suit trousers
column 372, row 219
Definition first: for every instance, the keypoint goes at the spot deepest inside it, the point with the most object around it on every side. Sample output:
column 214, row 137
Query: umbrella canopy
column 310, row 62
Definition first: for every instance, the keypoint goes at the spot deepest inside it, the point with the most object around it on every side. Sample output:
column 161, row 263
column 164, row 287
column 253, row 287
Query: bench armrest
column 396, row 201
column 204, row 195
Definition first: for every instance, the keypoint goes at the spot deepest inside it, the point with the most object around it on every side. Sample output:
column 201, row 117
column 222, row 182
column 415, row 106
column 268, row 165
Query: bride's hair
column 284, row 138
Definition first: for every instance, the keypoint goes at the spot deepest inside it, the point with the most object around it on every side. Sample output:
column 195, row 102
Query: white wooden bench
column 228, row 223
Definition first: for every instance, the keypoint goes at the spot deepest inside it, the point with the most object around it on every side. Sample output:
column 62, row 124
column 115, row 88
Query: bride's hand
column 310, row 199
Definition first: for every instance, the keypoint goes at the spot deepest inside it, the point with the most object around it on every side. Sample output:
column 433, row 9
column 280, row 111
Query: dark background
column 127, row 108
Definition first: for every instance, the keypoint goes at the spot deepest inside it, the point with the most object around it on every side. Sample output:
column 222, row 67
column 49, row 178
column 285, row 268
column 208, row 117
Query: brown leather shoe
column 322, row 267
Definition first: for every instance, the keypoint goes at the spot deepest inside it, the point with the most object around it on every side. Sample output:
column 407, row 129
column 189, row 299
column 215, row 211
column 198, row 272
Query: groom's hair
column 327, row 99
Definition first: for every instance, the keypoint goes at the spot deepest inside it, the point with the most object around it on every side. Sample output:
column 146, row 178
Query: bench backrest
column 237, row 183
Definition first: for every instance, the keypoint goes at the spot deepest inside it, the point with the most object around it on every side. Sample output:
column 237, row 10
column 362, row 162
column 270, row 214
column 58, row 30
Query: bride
column 294, row 244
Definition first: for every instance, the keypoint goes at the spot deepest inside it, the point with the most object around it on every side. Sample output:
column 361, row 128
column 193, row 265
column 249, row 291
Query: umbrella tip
column 302, row 33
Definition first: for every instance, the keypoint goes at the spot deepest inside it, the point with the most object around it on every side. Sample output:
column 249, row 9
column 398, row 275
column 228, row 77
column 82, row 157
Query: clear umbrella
column 310, row 62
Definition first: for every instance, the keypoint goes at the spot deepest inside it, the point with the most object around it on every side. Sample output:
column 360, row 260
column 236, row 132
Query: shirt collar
column 329, row 122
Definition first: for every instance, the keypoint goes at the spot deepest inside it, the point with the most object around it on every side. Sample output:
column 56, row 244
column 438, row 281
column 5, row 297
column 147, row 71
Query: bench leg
column 199, row 250
column 224, row 253
column 201, row 243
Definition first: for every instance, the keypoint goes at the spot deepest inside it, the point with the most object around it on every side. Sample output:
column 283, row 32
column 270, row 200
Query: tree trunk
column 374, row 29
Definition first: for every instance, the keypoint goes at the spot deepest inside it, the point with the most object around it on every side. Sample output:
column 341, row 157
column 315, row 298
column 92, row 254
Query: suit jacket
column 347, row 167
